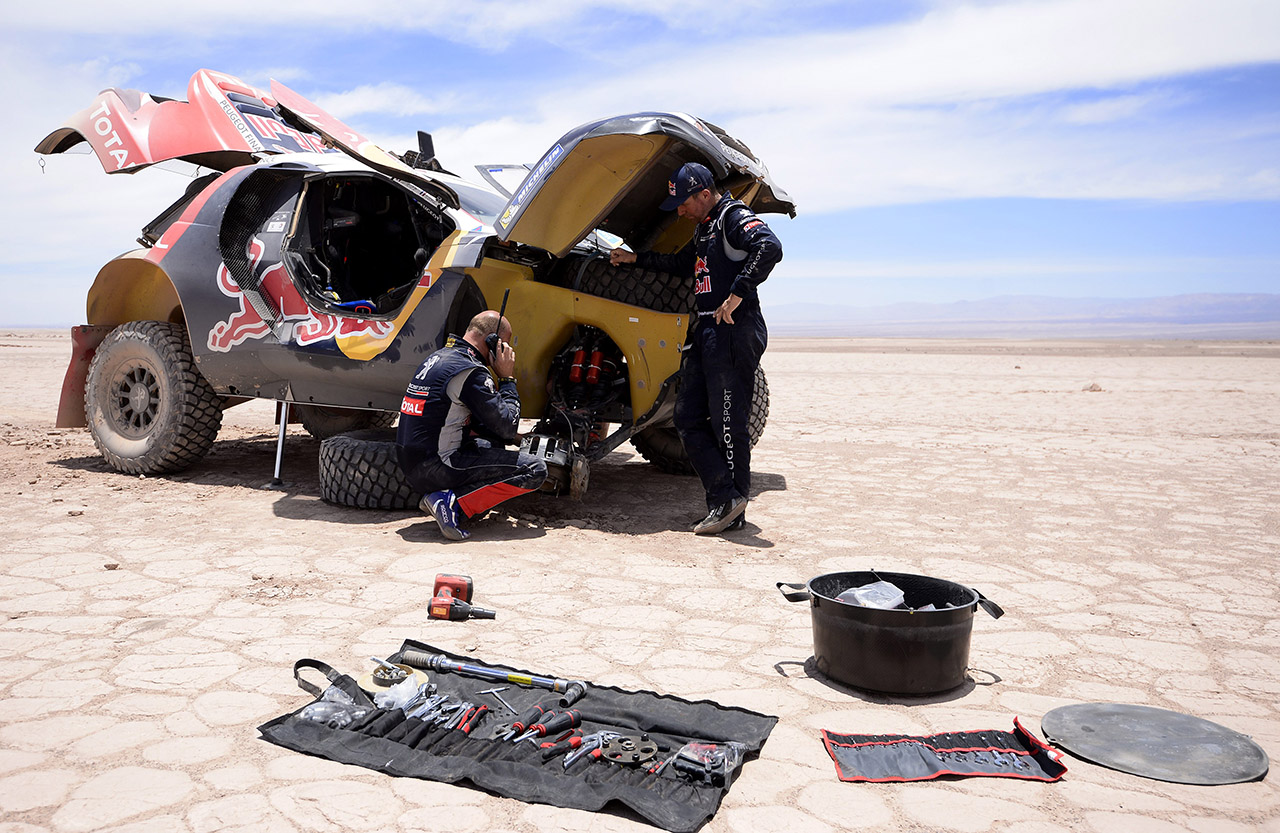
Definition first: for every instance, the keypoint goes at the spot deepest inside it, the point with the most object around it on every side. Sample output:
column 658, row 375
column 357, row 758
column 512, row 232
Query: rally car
column 308, row 265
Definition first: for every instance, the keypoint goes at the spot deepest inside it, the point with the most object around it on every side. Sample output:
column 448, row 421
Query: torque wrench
column 572, row 690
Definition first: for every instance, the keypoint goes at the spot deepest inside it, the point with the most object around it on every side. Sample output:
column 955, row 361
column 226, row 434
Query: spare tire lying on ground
column 359, row 469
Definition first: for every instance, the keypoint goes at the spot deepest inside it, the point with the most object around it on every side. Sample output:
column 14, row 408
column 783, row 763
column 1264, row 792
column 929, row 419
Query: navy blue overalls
column 451, row 416
column 732, row 252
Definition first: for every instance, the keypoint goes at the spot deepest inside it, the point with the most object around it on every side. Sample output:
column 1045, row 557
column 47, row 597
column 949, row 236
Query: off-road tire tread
column 360, row 469
column 630, row 284
column 197, row 415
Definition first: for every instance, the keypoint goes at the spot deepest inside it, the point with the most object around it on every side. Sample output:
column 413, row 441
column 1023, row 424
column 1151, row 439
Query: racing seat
column 340, row 227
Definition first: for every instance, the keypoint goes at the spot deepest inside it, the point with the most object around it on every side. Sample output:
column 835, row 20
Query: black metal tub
column 901, row 651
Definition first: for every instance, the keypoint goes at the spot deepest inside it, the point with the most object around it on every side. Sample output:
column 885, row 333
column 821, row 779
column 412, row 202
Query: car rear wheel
column 360, row 469
column 323, row 422
column 149, row 409
column 661, row 444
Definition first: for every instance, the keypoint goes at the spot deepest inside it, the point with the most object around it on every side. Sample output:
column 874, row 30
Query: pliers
column 590, row 745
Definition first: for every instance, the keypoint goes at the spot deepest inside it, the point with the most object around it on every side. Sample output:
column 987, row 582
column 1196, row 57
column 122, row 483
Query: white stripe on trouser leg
column 728, row 433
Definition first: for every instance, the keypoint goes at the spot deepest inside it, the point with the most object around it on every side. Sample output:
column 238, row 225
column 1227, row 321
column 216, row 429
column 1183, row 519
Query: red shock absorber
column 593, row 372
column 575, row 370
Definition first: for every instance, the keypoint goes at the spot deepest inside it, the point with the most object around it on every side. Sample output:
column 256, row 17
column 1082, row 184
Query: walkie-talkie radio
column 491, row 340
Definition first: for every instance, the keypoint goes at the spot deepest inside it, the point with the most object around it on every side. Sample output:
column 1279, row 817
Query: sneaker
column 720, row 517
column 739, row 524
column 443, row 506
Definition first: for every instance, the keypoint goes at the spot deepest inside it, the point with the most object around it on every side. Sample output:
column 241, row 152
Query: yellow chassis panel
column 543, row 317
column 132, row 288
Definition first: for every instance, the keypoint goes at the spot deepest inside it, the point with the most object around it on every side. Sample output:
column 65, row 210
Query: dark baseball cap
column 689, row 180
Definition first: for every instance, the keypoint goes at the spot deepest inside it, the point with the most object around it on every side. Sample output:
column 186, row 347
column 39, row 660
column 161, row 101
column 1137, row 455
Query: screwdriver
column 525, row 721
column 567, row 719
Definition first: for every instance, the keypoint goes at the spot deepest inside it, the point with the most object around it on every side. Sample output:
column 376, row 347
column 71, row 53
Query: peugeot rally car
column 310, row 266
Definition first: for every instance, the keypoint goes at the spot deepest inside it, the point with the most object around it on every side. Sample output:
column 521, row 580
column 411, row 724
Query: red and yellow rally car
column 308, row 265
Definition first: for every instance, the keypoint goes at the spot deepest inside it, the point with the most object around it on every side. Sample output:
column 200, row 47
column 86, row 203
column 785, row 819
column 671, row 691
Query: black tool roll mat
column 387, row 741
column 1016, row 754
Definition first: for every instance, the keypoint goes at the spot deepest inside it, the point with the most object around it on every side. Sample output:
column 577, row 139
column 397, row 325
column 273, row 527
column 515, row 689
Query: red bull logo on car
column 302, row 324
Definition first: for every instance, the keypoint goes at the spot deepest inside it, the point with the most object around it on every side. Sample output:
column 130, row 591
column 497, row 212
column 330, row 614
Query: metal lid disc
column 1155, row 743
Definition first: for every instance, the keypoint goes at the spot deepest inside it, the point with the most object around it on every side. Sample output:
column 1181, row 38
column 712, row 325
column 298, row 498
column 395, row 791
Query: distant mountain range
column 1214, row 316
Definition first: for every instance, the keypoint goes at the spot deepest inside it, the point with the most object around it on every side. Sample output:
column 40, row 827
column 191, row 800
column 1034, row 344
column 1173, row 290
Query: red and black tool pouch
column 1016, row 754
column 387, row 741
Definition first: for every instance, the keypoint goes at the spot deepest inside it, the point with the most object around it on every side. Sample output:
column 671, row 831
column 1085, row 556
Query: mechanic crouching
column 731, row 253
column 454, row 422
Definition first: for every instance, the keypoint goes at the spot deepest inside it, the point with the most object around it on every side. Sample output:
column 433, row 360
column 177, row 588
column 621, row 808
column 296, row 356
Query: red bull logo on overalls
column 701, row 276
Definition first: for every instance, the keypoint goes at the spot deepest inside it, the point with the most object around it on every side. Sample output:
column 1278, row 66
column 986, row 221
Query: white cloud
column 61, row 221
column 971, row 52
column 503, row 141
column 1111, row 108
column 970, row 100
column 386, row 98
column 885, row 156
column 998, row 268
column 261, row 77
column 483, row 24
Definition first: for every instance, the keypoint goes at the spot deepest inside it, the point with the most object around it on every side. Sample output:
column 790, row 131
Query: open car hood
column 223, row 124
column 613, row 175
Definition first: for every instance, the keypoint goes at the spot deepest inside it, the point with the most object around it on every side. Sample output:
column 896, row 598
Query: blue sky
column 937, row 151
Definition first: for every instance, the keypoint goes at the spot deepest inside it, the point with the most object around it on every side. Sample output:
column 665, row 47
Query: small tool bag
column 1016, row 754
column 668, row 796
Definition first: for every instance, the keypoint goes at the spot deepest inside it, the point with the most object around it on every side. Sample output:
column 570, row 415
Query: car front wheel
column 148, row 408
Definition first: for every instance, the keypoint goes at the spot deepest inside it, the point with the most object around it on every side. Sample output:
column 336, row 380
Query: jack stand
column 276, row 484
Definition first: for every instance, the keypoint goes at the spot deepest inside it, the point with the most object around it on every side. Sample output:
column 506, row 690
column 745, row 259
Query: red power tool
column 451, row 600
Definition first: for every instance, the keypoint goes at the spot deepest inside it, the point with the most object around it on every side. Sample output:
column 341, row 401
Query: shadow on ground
column 625, row 495
column 248, row 461
column 809, row 668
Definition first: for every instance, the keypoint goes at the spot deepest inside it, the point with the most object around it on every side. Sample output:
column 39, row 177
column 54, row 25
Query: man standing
column 450, row 419
column 731, row 252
